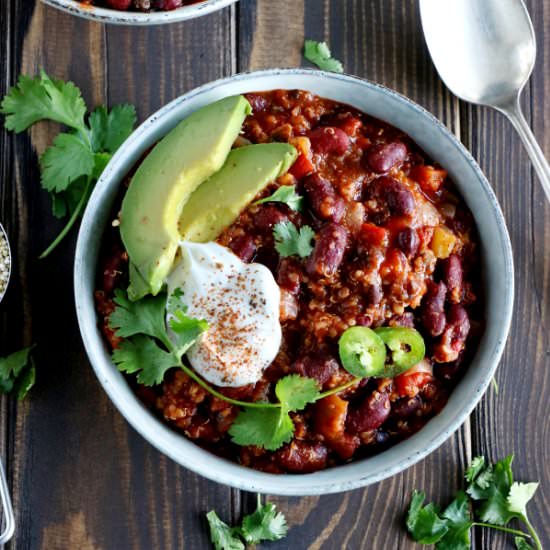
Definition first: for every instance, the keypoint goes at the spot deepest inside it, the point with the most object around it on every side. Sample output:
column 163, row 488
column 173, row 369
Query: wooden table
column 80, row 477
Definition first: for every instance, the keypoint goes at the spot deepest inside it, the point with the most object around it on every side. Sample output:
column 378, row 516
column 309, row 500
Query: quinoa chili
column 395, row 245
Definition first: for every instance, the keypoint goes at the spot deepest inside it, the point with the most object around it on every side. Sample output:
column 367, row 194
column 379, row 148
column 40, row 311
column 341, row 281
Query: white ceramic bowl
column 438, row 143
column 119, row 17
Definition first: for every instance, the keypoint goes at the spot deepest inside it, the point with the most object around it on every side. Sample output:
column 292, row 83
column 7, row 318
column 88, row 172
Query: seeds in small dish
column 5, row 263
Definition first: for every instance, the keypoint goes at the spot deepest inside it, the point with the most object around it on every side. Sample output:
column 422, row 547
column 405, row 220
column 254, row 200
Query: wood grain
column 80, row 477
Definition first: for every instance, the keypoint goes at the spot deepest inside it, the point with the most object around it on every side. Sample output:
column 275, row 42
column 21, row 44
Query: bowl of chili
column 139, row 13
column 424, row 137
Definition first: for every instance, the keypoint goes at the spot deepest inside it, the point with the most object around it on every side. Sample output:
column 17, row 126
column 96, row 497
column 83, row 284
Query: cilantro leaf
column 269, row 428
column 477, row 465
column 518, row 497
column 70, row 166
column 319, row 54
column 146, row 316
column 143, row 355
column 186, row 330
column 424, row 523
column 287, row 195
column 295, row 391
column 41, row 98
column 64, row 162
column 17, row 373
column 289, row 241
column 459, row 524
column 494, row 506
column 521, row 544
column 264, row 524
column 109, row 130
column 222, row 536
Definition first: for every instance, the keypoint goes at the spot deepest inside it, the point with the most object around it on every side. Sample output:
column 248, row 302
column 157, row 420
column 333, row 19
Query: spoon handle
column 540, row 163
column 9, row 523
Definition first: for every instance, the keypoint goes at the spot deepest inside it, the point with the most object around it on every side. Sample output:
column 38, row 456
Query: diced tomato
column 301, row 167
column 373, row 235
column 429, row 178
column 413, row 380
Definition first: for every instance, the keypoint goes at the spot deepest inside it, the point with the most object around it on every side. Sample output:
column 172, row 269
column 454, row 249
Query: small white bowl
column 441, row 145
column 119, row 17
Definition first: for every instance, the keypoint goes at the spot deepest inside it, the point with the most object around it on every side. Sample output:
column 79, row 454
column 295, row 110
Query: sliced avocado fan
column 218, row 201
column 187, row 156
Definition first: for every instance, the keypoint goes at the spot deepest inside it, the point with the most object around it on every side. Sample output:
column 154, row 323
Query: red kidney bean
column 119, row 4
column 452, row 276
column 143, row 5
column 166, row 5
column 453, row 340
column 370, row 414
column 373, row 295
column 399, row 198
column 322, row 199
column 267, row 216
column 329, row 251
column 244, row 247
column 406, row 406
column 113, row 269
column 433, row 308
column 328, row 139
column 289, row 275
column 407, row 240
column 404, row 320
column 382, row 158
column 319, row 366
column 257, row 102
column 301, row 457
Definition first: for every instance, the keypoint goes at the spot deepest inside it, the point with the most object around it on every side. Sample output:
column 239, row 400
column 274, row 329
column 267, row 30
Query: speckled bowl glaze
column 118, row 17
column 431, row 136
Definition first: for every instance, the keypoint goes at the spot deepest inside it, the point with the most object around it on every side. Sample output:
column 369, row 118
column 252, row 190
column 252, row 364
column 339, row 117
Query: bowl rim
column 119, row 17
column 332, row 480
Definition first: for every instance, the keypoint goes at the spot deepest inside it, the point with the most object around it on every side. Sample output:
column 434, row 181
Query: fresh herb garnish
column 142, row 325
column 266, row 523
column 150, row 350
column 70, row 167
column 271, row 428
column 287, row 195
column 17, row 373
column 499, row 500
column 289, row 241
column 319, row 54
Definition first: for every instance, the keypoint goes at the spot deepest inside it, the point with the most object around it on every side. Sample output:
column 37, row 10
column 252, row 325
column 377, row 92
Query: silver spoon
column 484, row 51
column 5, row 501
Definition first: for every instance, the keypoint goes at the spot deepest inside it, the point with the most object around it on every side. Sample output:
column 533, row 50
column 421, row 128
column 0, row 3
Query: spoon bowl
column 484, row 51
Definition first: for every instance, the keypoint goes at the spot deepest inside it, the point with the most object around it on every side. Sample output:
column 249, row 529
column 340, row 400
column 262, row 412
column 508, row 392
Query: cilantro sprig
column 319, row 54
column 150, row 347
column 264, row 524
column 287, row 195
column 17, row 373
column 497, row 500
column 290, row 241
column 70, row 167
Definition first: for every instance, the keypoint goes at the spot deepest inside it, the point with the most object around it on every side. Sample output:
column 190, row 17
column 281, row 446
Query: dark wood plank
column 81, row 477
column 381, row 41
column 516, row 420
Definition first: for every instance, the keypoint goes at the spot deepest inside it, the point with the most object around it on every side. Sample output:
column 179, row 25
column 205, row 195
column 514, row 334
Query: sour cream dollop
column 241, row 304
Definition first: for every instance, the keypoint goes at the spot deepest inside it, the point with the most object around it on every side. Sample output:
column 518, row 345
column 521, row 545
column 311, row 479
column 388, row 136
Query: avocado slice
column 188, row 155
column 218, row 201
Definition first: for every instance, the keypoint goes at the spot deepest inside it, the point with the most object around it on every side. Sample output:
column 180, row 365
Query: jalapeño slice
column 407, row 348
column 362, row 352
